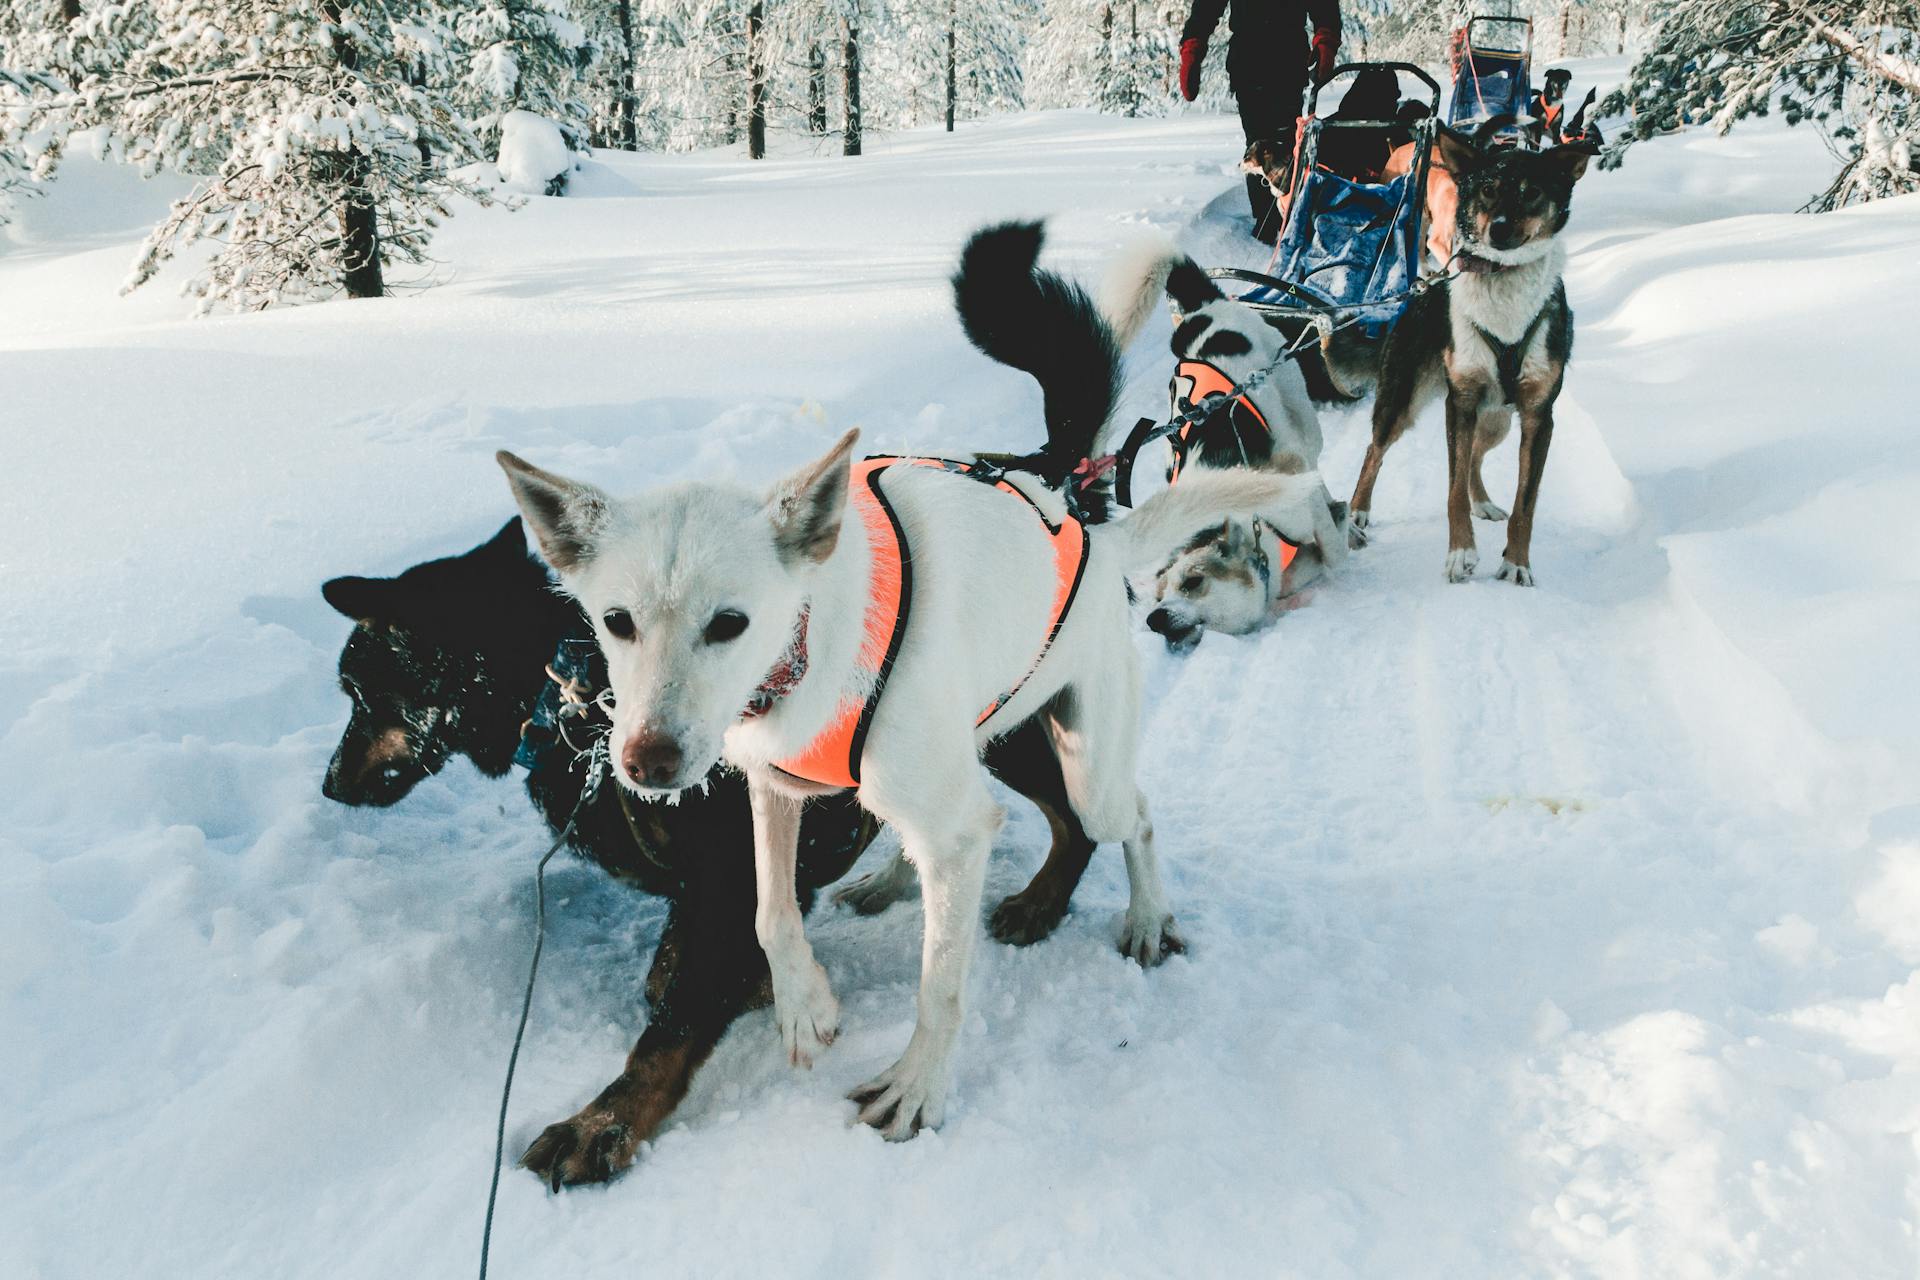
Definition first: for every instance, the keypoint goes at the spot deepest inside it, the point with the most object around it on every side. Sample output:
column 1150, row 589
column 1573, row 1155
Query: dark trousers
column 1268, row 109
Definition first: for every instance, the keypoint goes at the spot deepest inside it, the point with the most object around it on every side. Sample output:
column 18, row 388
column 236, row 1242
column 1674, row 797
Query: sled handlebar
column 1355, row 68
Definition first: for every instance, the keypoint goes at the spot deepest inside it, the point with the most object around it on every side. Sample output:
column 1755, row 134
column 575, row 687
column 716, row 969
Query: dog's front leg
column 803, row 1003
column 950, row 847
column 1463, row 417
column 1536, row 434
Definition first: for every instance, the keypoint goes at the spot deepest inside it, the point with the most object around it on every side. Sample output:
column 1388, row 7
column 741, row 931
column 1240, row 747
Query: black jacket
column 1269, row 37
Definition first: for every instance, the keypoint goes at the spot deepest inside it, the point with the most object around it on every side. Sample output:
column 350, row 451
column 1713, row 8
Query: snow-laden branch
column 1881, row 62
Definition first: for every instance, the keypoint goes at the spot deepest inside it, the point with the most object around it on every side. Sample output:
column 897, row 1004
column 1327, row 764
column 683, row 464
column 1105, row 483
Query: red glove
column 1326, row 45
column 1192, row 53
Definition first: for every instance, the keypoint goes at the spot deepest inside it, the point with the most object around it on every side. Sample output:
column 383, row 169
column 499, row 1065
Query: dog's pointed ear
column 1190, row 287
column 807, row 507
column 1235, row 538
column 1455, row 151
column 564, row 514
column 1571, row 158
column 362, row 599
column 510, row 544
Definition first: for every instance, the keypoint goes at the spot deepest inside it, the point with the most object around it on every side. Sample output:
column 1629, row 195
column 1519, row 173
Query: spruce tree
column 1852, row 67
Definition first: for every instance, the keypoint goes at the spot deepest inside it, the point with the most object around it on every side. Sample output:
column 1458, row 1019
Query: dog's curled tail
column 1135, row 284
column 1165, row 522
column 1035, row 321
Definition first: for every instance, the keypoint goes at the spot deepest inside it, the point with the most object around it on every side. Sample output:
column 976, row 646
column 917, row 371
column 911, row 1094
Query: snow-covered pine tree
column 47, row 49
column 946, row 60
column 607, row 86
column 520, row 55
column 1851, row 66
column 1116, row 55
column 1411, row 30
column 305, row 125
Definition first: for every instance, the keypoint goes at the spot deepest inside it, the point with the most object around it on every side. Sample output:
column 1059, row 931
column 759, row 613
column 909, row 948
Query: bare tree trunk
column 417, row 77
column 70, row 11
column 360, row 231
column 953, row 84
column 756, row 83
column 1106, row 51
column 851, row 136
column 629, row 108
column 730, row 61
column 816, row 87
column 1620, row 42
column 359, row 215
column 1566, row 26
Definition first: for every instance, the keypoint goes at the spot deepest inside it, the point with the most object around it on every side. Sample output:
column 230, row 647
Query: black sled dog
column 449, row 659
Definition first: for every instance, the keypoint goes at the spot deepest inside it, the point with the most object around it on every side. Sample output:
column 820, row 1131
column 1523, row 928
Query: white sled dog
column 812, row 652
column 1238, row 575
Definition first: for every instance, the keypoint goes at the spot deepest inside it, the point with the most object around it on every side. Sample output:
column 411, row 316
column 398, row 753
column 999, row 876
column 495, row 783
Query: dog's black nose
column 1160, row 620
column 651, row 759
column 1500, row 232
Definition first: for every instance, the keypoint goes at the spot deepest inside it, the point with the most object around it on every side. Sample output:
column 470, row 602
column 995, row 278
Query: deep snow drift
column 1573, row 931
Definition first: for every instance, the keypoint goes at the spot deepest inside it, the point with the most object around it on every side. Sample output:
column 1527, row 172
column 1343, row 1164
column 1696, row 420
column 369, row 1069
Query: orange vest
column 1202, row 380
column 832, row 759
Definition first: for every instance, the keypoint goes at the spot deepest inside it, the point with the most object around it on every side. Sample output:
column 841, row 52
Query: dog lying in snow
column 1492, row 341
column 845, row 631
column 1235, row 573
column 447, row 659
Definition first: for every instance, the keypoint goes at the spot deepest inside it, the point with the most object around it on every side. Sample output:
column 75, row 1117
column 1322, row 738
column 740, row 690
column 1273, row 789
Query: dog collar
column 787, row 673
column 1473, row 265
column 1263, row 563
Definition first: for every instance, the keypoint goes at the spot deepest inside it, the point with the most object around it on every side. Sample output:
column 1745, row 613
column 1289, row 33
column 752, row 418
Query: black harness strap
column 1509, row 358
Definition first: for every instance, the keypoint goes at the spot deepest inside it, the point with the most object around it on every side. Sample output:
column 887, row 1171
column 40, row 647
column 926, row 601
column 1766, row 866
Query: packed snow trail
column 1557, row 932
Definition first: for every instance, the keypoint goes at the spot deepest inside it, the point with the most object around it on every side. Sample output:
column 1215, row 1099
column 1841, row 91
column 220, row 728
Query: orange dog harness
column 832, row 759
column 1193, row 382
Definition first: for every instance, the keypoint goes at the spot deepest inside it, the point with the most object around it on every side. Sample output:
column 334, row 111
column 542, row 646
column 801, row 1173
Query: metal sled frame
column 1298, row 306
column 1484, row 55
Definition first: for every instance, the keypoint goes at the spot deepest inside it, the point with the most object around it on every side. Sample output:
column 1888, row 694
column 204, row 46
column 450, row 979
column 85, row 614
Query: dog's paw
column 902, row 1100
column 1489, row 511
column 1150, row 938
column 1026, row 917
column 1461, row 562
column 806, row 1012
column 1519, row 575
column 1356, row 529
column 593, row 1146
column 872, row 894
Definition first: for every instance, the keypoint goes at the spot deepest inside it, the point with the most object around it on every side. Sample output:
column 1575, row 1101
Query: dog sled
column 1350, row 246
column 1493, row 75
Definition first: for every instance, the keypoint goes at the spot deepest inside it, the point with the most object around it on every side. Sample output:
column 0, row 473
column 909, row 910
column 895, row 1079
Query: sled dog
column 872, row 628
column 1237, row 571
column 1493, row 340
column 448, row 658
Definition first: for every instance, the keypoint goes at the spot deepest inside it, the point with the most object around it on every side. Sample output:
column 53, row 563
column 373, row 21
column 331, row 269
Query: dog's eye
column 619, row 624
column 726, row 625
column 1192, row 583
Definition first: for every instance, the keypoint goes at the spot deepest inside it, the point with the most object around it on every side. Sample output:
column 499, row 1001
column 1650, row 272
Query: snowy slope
column 1564, row 932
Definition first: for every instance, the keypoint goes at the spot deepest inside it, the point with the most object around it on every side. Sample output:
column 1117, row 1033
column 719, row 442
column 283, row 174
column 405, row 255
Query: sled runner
column 1493, row 75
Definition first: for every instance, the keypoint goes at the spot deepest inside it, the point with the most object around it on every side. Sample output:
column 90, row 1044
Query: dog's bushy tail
column 1163, row 523
column 1035, row 321
column 1135, row 284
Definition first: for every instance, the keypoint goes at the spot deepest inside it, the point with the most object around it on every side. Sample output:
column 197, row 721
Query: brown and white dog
column 1493, row 341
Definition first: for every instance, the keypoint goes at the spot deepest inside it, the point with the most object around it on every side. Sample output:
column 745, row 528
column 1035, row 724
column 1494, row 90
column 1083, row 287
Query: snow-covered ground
column 1573, row 931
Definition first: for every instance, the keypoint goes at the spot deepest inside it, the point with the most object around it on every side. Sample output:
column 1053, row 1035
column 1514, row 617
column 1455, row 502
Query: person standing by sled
column 1268, row 61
